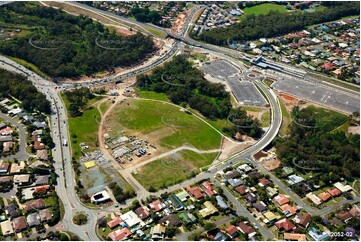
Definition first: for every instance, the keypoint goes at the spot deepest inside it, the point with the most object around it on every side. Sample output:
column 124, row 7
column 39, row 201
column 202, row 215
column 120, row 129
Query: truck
column 65, row 142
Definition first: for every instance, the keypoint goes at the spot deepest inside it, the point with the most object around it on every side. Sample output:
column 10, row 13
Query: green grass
column 172, row 169
column 153, row 95
column 201, row 57
column 29, row 66
column 156, row 32
column 104, row 106
column 326, row 119
column 171, row 126
column 320, row 8
column 286, row 120
column 83, row 128
column 49, row 201
column 266, row 119
column 265, row 9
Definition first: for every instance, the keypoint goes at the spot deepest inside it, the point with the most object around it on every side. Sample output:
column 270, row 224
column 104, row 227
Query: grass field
column 326, row 119
column 286, row 120
column 264, row 9
column 166, row 124
column 266, row 119
column 83, row 128
column 153, row 95
column 104, row 106
column 172, row 169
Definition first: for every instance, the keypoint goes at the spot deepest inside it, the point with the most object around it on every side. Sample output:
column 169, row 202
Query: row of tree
column 275, row 23
column 186, row 85
column 62, row 45
column 15, row 85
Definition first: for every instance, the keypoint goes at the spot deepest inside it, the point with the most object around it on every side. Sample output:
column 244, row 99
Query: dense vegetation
column 63, row 45
column 119, row 194
column 18, row 86
column 275, row 23
column 145, row 15
column 315, row 146
column 186, row 85
column 78, row 99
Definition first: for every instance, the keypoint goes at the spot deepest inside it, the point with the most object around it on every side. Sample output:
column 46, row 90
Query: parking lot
column 220, row 69
column 246, row 92
column 318, row 94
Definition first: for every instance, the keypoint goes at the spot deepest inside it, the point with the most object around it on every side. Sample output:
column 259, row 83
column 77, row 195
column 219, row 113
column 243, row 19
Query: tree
column 209, row 226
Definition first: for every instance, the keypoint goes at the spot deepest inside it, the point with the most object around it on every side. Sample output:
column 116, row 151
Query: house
column 244, row 167
column 288, row 170
column 42, row 180
column 6, row 131
column 293, row 179
column 221, row 202
column 231, row 175
column 334, row 192
column 270, row 216
column 38, row 163
column 170, row 220
column 131, row 219
column 6, row 179
column 45, row 215
column 260, row 207
column 100, row 197
column 335, row 222
column 324, row 196
column 294, row 236
column 263, row 182
column 343, row 188
column 288, row 210
column 7, row 146
column 355, row 211
column 232, row 231
column 234, row 182
column 176, row 203
column 114, row 222
column 6, row 228
column 241, row 189
column 318, row 237
column 187, row 218
column 316, row 200
column 254, row 174
column 38, row 145
column 195, row 192
column 12, row 210
column 209, row 209
column 271, row 191
column 250, row 197
column 285, row 224
column 244, row 228
column 157, row 206
column 303, row 220
column 22, row 179
column 19, row 224
column 35, row 204
column 208, row 188
column 16, row 168
column 33, row 219
column 157, row 232
column 120, row 234
column 220, row 237
column 327, row 66
column 183, row 195
column 42, row 154
column 345, row 216
column 281, row 199
column 142, row 212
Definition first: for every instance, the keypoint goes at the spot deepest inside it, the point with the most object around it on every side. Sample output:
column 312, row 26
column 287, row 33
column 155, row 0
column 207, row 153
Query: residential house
column 114, row 222
column 208, row 188
column 241, row 189
column 7, row 146
column 221, row 203
column 269, row 216
column 344, row 216
column 170, row 220
column 187, row 218
column 6, row 228
column 19, row 224
column 324, row 196
column 33, row 219
column 232, row 231
column 294, row 236
column 246, row 229
column 42, row 154
column 183, row 195
column 318, row 236
column 131, row 219
column 42, row 180
column 355, row 211
column 176, row 203
column 12, row 210
column 285, row 224
column 303, row 220
column 316, row 200
column 16, row 168
column 260, row 206
column 288, row 210
column 45, row 215
column 251, row 197
column 157, row 206
column 195, row 192
column 334, row 192
column 157, row 232
column 120, row 234
column 35, row 204
column 209, row 209
column 220, row 237
column 235, row 182
column 263, row 182
column 22, row 179
column 281, row 199
column 142, row 212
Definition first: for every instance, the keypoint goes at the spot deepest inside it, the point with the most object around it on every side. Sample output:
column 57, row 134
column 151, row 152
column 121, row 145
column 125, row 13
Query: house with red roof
column 263, row 182
column 244, row 228
column 285, row 224
column 120, row 234
column 157, row 206
column 281, row 199
column 208, row 188
column 334, row 192
column 114, row 223
column 324, row 196
column 327, row 66
column 241, row 189
column 195, row 192
column 232, row 231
